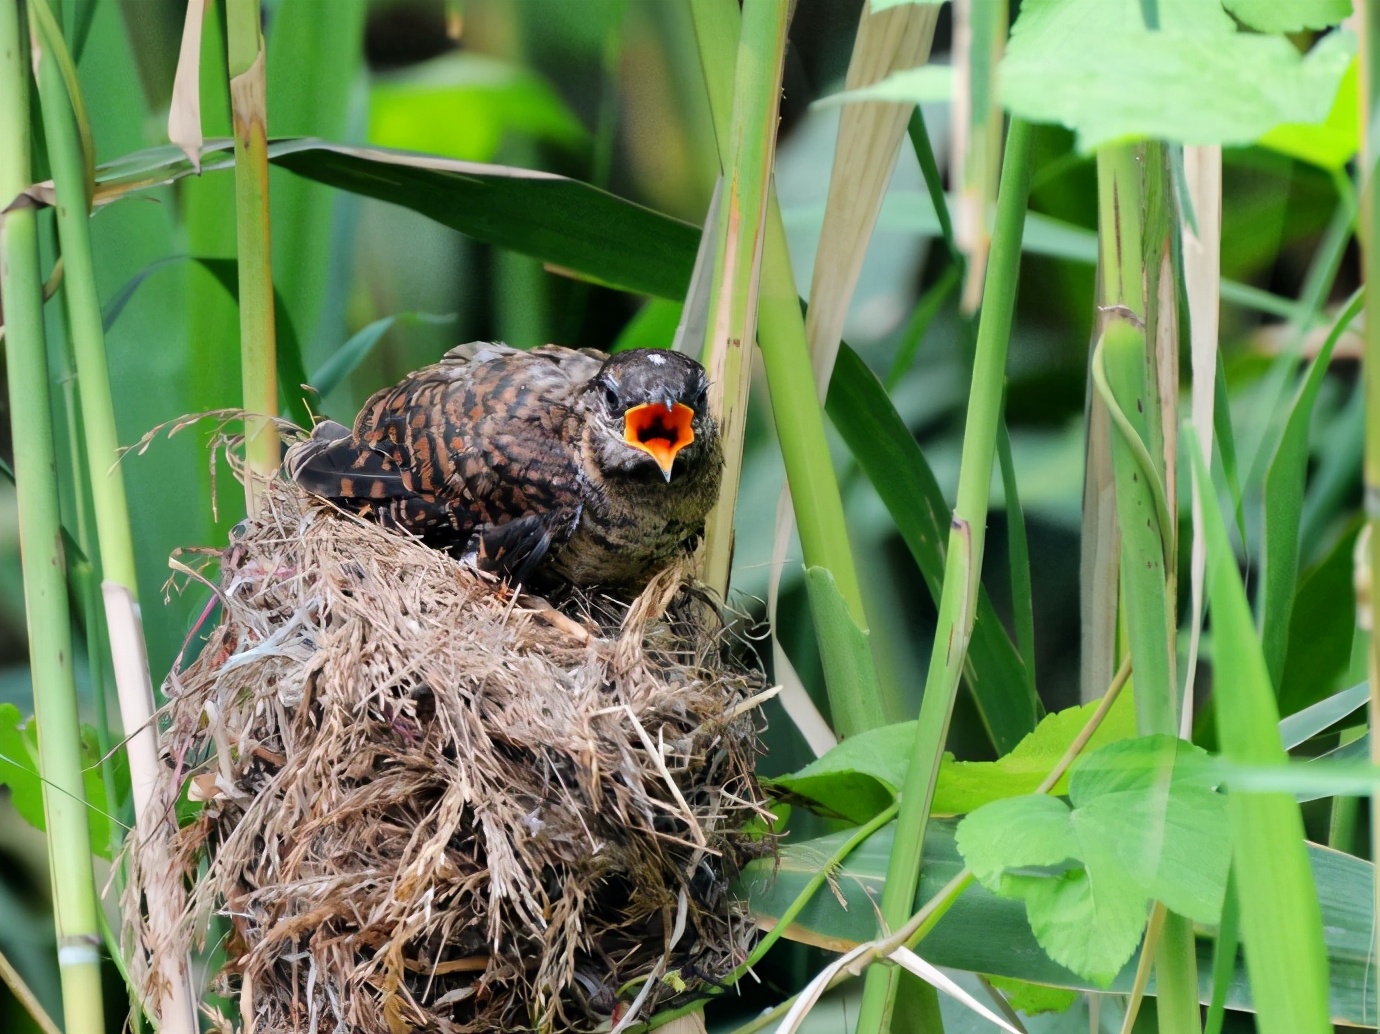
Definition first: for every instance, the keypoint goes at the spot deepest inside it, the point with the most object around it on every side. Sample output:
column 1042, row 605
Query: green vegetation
column 1066, row 549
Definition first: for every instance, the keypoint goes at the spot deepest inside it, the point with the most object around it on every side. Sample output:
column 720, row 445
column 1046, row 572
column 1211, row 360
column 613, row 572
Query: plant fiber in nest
column 430, row 804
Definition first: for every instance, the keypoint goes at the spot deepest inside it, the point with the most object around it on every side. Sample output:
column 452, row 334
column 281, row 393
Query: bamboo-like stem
column 958, row 600
column 41, row 550
column 781, row 335
column 258, row 347
column 1139, row 304
column 119, row 588
column 746, row 132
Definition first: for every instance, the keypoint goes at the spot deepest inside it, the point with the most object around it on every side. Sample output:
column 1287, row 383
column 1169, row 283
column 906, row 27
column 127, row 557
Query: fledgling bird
column 553, row 465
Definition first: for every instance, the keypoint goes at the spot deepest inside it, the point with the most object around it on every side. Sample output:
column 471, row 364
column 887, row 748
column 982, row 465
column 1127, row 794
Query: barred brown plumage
column 551, row 464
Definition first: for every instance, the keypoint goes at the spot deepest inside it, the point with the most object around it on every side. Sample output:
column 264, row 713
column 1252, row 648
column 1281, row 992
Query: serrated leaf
column 861, row 776
column 1143, row 826
column 1090, row 923
column 1289, row 15
column 1001, row 839
column 966, row 785
column 1331, row 143
column 1092, row 65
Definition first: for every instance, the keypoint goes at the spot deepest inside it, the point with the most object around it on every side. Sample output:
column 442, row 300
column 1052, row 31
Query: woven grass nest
column 433, row 804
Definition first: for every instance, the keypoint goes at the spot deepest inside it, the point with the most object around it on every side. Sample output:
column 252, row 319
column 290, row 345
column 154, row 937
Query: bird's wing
column 478, row 439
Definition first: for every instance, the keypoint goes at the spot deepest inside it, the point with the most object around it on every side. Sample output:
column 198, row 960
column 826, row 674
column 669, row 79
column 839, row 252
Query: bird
column 546, row 466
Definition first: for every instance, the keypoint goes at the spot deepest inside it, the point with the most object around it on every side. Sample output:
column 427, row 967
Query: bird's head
column 649, row 412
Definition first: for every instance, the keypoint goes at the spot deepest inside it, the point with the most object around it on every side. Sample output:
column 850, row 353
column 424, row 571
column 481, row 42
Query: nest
column 430, row 803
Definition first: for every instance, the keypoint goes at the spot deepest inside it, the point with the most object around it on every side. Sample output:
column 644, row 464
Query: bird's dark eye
column 610, row 391
column 701, row 396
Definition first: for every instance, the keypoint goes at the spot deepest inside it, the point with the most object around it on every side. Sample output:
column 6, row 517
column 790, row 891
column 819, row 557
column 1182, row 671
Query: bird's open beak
column 660, row 430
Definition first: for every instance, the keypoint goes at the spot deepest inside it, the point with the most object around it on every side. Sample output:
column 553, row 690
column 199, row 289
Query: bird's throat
column 659, row 432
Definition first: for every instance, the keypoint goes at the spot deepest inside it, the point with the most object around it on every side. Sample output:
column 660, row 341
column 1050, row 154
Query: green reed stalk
column 258, row 342
column 1133, row 236
column 855, row 701
column 116, row 565
column 962, row 570
column 41, row 550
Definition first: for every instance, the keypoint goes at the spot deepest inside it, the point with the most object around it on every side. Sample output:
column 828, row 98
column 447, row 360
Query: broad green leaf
column 986, row 933
column 1089, row 924
column 568, row 224
column 463, row 104
column 1142, row 807
column 1331, row 143
column 1288, row 15
column 1092, row 66
column 858, row 778
column 1285, row 946
column 862, row 775
column 862, row 412
column 1017, row 833
column 1141, row 828
column 572, row 226
column 966, row 785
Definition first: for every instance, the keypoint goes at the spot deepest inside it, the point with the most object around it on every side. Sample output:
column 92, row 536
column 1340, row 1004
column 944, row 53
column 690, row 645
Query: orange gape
column 659, row 431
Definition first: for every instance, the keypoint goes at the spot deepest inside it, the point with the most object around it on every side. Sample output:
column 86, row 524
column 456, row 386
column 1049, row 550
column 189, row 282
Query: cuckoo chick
column 552, row 464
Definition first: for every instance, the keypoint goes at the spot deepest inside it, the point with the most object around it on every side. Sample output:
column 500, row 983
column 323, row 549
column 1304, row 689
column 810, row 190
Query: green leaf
column 1091, row 65
column 346, row 359
column 1288, row 15
column 19, row 771
column 1304, row 725
column 1321, row 628
column 1033, row 999
column 19, row 765
column 909, row 85
column 463, row 104
column 572, row 226
column 862, row 775
column 1142, row 827
column 1284, row 942
column 862, row 412
column 565, row 223
column 1089, row 924
column 1331, row 143
column 967, row 785
column 1284, row 486
column 1142, row 807
column 844, row 649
